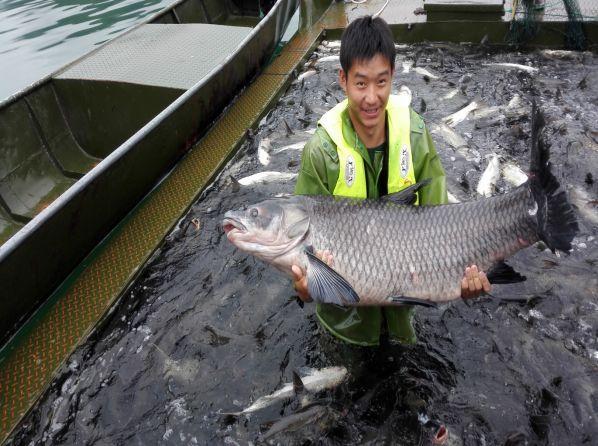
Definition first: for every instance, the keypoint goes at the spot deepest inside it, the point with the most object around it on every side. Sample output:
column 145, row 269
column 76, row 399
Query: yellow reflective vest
column 351, row 179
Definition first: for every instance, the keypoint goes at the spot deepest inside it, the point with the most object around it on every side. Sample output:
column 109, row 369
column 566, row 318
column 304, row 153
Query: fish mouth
column 230, row 225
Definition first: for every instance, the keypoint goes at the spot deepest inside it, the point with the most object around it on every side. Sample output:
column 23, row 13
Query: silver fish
column 312, row 417
column 489, row 177
column 513, row 66
column 313, row 381
column 266, row 178
column 386, row 252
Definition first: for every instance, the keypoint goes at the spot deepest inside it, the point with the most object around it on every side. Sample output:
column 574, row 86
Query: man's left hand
column 474, row 283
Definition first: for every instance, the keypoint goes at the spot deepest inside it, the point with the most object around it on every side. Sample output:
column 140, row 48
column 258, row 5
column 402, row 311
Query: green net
column 529, row 15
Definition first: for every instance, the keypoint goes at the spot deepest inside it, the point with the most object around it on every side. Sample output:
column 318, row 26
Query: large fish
column 388, row 252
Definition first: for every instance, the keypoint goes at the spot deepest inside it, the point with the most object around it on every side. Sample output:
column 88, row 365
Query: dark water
column 38, row 37
column 207, row 328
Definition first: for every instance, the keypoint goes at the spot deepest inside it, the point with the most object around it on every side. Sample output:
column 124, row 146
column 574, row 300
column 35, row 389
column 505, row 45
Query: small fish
column 266, row 178
column 459, row 116
column 425, row 72
column 184, row 370
column 332, row 44
column 561, row 54
column 422, row 106
column 489, row 177
column 404, row 95
column 263, row 151
column 328, row 59
column 513, row 66
column 307, row 418
column 451, row 94
column 305, row 75
column 296, row 146
column 513, row 174
column 313, row 381
column 449, row 135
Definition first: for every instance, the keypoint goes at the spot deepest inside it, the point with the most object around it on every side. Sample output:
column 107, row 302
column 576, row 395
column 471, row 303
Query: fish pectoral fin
column 298, row 386
column 407, row 195
column 327, row 286
column 413, row 301
column 503, row 273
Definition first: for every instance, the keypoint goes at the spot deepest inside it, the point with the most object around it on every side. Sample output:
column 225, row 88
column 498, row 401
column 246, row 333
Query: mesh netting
column 529, row 15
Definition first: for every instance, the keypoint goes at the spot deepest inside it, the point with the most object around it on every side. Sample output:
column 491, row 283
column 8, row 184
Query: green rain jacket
column 318, row 176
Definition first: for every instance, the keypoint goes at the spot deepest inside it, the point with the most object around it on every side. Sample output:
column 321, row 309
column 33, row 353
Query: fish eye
column 253, row 212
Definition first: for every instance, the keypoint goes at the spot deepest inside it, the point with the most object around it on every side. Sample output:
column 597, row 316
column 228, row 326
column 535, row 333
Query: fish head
column 268, row 229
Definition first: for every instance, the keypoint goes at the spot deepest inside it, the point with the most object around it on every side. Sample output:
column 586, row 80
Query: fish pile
column 387, row 252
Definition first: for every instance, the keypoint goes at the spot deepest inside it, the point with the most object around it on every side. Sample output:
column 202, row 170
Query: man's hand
column 300, row 278
column 474, row 283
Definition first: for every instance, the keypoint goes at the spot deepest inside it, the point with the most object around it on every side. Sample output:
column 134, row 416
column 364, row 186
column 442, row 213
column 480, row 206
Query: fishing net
column 529, row 15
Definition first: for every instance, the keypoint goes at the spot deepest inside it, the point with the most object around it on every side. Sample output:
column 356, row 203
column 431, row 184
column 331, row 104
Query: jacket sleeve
column 427, row 165
column 318, row 167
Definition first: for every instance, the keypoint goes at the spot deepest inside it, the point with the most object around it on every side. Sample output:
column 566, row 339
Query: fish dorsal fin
column 298, row 386
column 326, row 286
column 407, row 195
column 503, row 273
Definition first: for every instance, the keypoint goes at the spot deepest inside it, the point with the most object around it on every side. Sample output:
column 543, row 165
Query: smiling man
column 368, row 146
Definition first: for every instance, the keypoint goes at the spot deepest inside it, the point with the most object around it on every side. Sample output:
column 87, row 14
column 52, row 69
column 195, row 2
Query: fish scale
column 383, row 249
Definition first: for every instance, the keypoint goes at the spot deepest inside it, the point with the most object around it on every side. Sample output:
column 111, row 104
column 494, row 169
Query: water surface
column 37, row 37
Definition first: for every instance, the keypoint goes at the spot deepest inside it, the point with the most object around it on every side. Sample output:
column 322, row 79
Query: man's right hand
column 300, row 278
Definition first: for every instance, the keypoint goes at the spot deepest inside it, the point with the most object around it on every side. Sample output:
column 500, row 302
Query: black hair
column 363, row 39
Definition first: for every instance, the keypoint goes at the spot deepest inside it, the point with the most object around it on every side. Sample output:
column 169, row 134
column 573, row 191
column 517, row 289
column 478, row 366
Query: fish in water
column 425, row 72
column 459, row 116
column 311, row 417
column 263, row 151
column 266, row 178
column 386, row 252
column 513, row 66
column 313, row 381
column 489, row 178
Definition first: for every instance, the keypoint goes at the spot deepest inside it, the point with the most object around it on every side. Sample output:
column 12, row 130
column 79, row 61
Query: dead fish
column 424, row 72
column 266, row 178
column 513, row 174
column 373, row 268
column 513, row 66
column 263, row 151
column 459, row 116
column 489, row 177
column 312, row 381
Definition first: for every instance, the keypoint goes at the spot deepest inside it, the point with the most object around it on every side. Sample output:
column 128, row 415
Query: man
column 368, row 146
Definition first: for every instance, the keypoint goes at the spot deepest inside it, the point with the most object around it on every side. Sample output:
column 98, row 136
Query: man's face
column 367, row 86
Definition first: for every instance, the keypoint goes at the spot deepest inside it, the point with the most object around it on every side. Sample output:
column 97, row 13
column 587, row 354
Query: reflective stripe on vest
column 351, row 179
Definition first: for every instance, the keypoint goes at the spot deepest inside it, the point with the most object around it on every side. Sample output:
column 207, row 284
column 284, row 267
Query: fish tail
column 556, row 221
